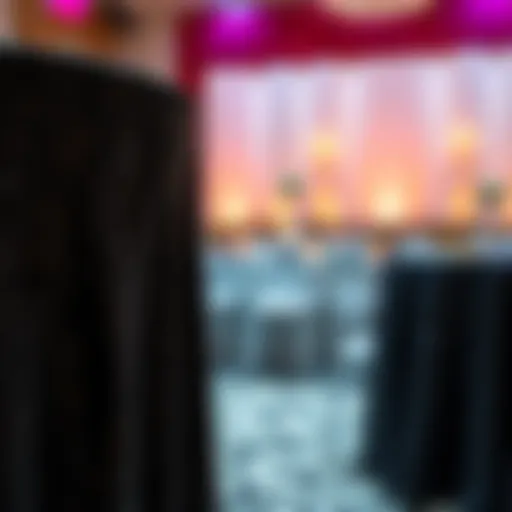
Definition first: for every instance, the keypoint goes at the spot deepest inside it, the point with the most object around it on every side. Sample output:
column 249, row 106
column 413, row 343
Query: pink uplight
column 69, row 11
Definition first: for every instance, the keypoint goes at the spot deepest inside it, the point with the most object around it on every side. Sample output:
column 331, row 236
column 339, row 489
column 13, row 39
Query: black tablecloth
column 101, row 394
column 441, row 423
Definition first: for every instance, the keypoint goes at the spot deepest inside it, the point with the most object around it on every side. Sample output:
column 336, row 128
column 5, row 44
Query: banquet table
column 440, row 422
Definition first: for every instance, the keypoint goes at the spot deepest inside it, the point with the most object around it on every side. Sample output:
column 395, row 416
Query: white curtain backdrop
column 402, row 140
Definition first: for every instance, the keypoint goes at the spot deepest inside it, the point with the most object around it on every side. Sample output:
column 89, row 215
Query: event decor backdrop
column 402, row 140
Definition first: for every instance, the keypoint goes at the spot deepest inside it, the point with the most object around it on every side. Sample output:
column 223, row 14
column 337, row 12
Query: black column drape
column 440, row 426
column 101, row 372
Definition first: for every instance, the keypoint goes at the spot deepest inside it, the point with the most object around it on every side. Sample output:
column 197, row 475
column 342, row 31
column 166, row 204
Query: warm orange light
column 463, row 140
column 324, row 147
column 389, row 205
column 375, row 9
column 232, row 210
column 507, row 206
column 281, row 212
column 463, row 205
column 326, row 209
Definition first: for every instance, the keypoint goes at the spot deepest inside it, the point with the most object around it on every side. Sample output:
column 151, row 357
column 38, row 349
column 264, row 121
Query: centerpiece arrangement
column 291, row 189
column 491, row 194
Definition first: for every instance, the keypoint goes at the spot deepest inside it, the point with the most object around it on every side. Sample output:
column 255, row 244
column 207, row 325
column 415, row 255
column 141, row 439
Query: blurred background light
column 70, row 11
column 324, row 147
column 377, row 9
column 236, row 24
column 232, row 210
column 282, row 213
column 326, row 209
column 389, row 205
column 463, row 140
column 489, row 11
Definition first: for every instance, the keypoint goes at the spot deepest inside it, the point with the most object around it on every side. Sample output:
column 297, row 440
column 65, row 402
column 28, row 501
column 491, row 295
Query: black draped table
column 440, row 423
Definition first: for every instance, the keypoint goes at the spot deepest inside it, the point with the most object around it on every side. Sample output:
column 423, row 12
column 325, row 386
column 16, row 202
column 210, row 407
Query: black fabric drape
column 101, row 390
column 440, row 426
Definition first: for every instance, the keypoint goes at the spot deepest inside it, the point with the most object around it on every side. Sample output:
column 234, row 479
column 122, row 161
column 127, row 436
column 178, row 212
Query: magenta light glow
column 69, row 11
column 489, row 11
column 236, row 26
